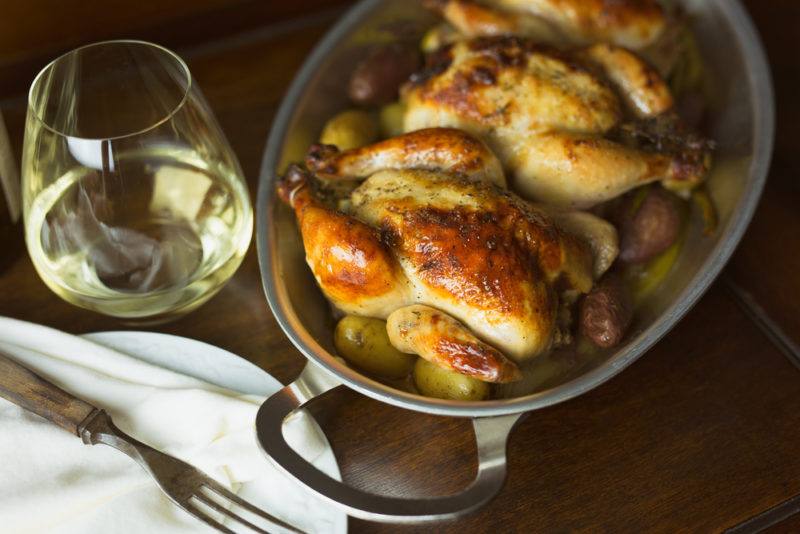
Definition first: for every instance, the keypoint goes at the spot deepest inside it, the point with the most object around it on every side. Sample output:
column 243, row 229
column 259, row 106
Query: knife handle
column 23, row 387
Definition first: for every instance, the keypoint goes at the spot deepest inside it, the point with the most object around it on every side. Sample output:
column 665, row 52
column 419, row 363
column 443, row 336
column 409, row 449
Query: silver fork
column 186, row 486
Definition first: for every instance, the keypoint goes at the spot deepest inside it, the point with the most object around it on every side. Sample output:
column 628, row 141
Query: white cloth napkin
column 51, row 482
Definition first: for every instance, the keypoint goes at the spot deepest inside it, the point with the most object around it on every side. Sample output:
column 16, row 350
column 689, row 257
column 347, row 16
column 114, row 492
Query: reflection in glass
column 134, row 203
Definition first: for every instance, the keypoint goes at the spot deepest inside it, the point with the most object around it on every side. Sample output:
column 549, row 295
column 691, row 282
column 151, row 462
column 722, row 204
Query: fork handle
column 25, row 388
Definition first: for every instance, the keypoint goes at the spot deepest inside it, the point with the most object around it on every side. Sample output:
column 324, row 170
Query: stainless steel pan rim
column 759, row 80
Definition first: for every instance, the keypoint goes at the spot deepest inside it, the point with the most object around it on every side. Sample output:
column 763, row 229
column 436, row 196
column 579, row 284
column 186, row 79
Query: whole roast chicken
column 467, row 274
column 572, row 128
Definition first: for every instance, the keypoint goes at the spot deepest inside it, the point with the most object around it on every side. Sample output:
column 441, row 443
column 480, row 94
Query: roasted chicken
column 421, row 240
column 633, row 24
column 572, row 129
column 470, row 276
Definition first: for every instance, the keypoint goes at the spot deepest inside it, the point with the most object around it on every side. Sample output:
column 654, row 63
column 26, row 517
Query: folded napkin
column 51, row 482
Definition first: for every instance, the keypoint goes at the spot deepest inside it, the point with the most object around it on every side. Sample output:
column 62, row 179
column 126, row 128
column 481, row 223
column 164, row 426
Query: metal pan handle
column 491, row 435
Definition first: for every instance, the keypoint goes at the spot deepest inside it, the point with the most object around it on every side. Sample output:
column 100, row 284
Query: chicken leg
column 442, row 340
column 631, row 23
column 642, row 89
column 473, row 19
column 353, row 267
column 442, row 149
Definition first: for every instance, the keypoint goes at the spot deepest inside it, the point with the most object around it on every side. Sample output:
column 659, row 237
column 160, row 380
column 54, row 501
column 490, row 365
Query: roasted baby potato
column 377, row 79
column 391, row 118
column 437, row 37
column 435, row 381
column 606, row 312
column 350, row 129
column 363, row 342
column 649, row 224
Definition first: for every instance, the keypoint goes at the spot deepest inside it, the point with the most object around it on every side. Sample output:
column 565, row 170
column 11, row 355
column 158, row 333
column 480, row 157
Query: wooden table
column 701, row 434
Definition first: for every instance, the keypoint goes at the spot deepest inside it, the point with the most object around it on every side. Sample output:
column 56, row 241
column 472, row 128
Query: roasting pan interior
column 740, row 124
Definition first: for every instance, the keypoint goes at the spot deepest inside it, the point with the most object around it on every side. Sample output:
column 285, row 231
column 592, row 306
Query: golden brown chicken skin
column 480, row 256
column 640, row 87
column 440, row 339
column 355, row 269
column 443, row 149
column 554, row 118
column 633, row 24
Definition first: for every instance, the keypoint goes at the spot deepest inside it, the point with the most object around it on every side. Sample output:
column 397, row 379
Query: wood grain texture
column 34, row 32
column 25, row 388
column 681, row 441
column 699, row 435
column 790, row 526
column 767, row 261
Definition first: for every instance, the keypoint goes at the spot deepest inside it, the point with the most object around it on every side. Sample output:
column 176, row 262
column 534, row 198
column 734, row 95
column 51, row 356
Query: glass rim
column 156, row 124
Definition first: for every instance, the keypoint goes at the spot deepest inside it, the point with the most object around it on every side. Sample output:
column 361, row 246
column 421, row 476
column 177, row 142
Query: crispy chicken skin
column 552, row 117
column 633, row 24
column 639, row 86
column 445, row 149
column 357, row 272
column 492, row 265
column 474, row 19
column 439, row 338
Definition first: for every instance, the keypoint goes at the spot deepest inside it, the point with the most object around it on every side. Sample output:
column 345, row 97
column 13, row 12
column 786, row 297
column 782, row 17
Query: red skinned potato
column 378, row 77
column 647, row 225
column 606, row 312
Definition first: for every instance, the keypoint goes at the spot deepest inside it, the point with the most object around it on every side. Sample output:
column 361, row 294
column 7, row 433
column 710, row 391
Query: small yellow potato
column 363, row 342
column 391, row 119
column 437, row 37
column 435, row 381
column 350, row 129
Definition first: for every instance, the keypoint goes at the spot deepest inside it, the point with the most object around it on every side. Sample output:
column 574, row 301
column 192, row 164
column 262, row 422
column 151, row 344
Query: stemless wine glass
column 134, row 204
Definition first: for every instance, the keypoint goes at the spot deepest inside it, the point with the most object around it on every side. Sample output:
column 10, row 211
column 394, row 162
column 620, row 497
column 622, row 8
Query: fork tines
column 223, row 494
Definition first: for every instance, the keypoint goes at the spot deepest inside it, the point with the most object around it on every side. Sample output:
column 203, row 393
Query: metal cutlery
column 186, row 486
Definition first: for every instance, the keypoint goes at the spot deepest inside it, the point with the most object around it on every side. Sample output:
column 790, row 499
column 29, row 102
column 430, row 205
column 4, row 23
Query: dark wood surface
column 35, row 31
column 699, row 435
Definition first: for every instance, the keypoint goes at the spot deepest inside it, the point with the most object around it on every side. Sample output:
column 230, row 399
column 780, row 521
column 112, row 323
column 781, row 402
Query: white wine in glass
column 134, row 204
